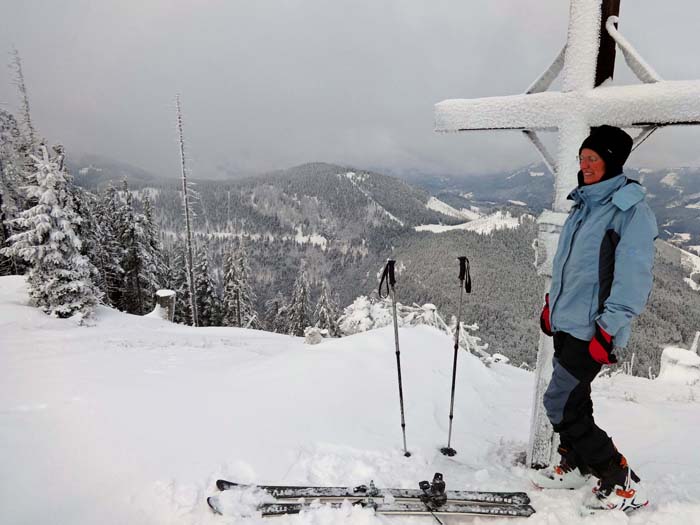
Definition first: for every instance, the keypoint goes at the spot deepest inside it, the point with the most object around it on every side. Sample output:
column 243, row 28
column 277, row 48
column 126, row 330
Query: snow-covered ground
column 133, row 419
column 484, row 225
column 444, row 208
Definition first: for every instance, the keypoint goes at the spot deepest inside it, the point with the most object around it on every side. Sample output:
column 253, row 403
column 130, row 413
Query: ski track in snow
column 133, row 419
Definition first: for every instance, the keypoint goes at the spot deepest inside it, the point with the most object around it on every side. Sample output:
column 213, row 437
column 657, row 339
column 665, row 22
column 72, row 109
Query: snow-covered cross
column 586, row 64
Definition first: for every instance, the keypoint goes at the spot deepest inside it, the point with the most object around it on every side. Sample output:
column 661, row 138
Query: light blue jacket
column 602, row 271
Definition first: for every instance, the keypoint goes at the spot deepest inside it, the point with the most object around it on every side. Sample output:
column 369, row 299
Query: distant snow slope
column 444, row 208
column 484, row 225
column 671, row 179
column 131, row 421
column 356, row 179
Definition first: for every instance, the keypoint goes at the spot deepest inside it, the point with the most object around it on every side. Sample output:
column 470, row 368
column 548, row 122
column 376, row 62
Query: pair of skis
column 429, row 499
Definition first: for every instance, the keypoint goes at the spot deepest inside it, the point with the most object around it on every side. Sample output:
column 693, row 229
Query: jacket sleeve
column 632, row 279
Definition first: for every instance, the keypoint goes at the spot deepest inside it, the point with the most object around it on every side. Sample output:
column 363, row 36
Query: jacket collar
column 600, row 192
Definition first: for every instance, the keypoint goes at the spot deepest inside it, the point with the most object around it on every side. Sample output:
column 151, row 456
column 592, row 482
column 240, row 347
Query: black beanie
column 612, row 144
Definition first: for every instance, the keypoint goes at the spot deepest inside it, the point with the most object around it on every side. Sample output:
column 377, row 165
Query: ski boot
column 566, row 475
column 619, row 488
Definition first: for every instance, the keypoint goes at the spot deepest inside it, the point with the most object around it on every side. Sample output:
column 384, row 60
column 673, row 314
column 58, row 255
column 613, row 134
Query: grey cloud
column 269, row 84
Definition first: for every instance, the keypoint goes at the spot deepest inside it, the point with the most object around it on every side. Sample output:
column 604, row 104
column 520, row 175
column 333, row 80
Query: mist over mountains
column 342, row 223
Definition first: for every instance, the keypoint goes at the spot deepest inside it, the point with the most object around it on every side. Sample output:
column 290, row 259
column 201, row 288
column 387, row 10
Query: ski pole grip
column 387, row 277
column 462, row 267
column 390, row 265
column 464, row 273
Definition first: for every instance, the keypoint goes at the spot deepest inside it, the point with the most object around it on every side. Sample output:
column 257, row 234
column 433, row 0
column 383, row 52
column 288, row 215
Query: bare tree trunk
column 186, row 204
column 26, row 114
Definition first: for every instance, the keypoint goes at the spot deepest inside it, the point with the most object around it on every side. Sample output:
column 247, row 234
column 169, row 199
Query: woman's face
column 592, row 166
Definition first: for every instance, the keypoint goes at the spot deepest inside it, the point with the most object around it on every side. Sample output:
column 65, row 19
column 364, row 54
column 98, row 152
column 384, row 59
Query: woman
column 601, row 280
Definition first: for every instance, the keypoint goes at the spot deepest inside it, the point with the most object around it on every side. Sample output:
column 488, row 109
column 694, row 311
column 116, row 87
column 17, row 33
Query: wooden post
column 165, row 304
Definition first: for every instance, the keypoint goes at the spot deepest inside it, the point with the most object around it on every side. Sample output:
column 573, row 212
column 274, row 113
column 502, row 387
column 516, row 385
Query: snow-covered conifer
column 276, row 314
column 178, row 282
column 239, row 298
column 11, row 181
column 141, row 279
column 154, row 245
column 326, row 313
column 24, row 95
column 208, row 302
column 231, row 299
column 59, row 276
column 298, row 315
column 109, row 215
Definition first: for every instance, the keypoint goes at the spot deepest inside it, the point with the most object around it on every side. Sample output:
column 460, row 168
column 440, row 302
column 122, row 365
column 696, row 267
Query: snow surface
column 314, row 238
column 444, row 208
column 133, row 419
column 670, row 179
column 679, row 365
column 355, row 178
column 484, row 225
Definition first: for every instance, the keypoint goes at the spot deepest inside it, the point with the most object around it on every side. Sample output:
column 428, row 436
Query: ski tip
column 211, row 501
column 221, row 484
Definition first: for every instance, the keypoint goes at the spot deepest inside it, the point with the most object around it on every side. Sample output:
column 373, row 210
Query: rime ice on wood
column 586, row 63
column 165, row 305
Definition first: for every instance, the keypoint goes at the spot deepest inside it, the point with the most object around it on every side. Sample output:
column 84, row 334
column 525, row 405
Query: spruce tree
column 208, row 303
column 109, row 216
column 298, row 317
column 239, row 298
column 153, row 244
column 231, row 300
column 276, row 314
column 179, row 283
column 59, row 277
column 10, row 182
column 327, row 312
column 139, row 263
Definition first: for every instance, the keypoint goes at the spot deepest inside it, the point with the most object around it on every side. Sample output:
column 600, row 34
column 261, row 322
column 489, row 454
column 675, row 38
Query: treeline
column 80, row 248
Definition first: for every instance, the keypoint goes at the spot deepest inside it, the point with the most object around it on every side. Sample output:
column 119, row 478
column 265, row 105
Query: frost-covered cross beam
column 586, row 63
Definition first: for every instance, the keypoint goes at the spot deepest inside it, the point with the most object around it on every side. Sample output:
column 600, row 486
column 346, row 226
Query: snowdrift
column 132, row 420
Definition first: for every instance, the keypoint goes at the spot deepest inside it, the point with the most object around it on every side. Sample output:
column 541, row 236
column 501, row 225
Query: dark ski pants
column 569, row 406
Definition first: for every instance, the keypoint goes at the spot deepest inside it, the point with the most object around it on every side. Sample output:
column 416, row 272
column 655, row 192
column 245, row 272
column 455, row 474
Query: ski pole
column 465, row 284
column 389, row 278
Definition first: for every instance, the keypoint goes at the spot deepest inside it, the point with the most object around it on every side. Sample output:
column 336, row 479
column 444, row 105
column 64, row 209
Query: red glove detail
column 545, row 325
column 601, row 347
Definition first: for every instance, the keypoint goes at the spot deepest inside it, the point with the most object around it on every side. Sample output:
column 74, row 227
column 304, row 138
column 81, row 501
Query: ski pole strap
column 387, row 277
column 464, row 274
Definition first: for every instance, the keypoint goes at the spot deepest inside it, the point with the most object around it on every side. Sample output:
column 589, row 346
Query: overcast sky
column 271, row 84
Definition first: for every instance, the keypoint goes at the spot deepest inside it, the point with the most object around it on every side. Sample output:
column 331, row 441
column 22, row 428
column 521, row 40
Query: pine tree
column 276, row 314
column 298, row 317
column 140, row 262
column 10, row 182
column 90, row 232
column 231, row 300
column 59, row 276
column 24, row 94
column 109, row 216
column 208, row 303
column 239, row 298
column 155, row 247
column 179, row 283
column 327, row 313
